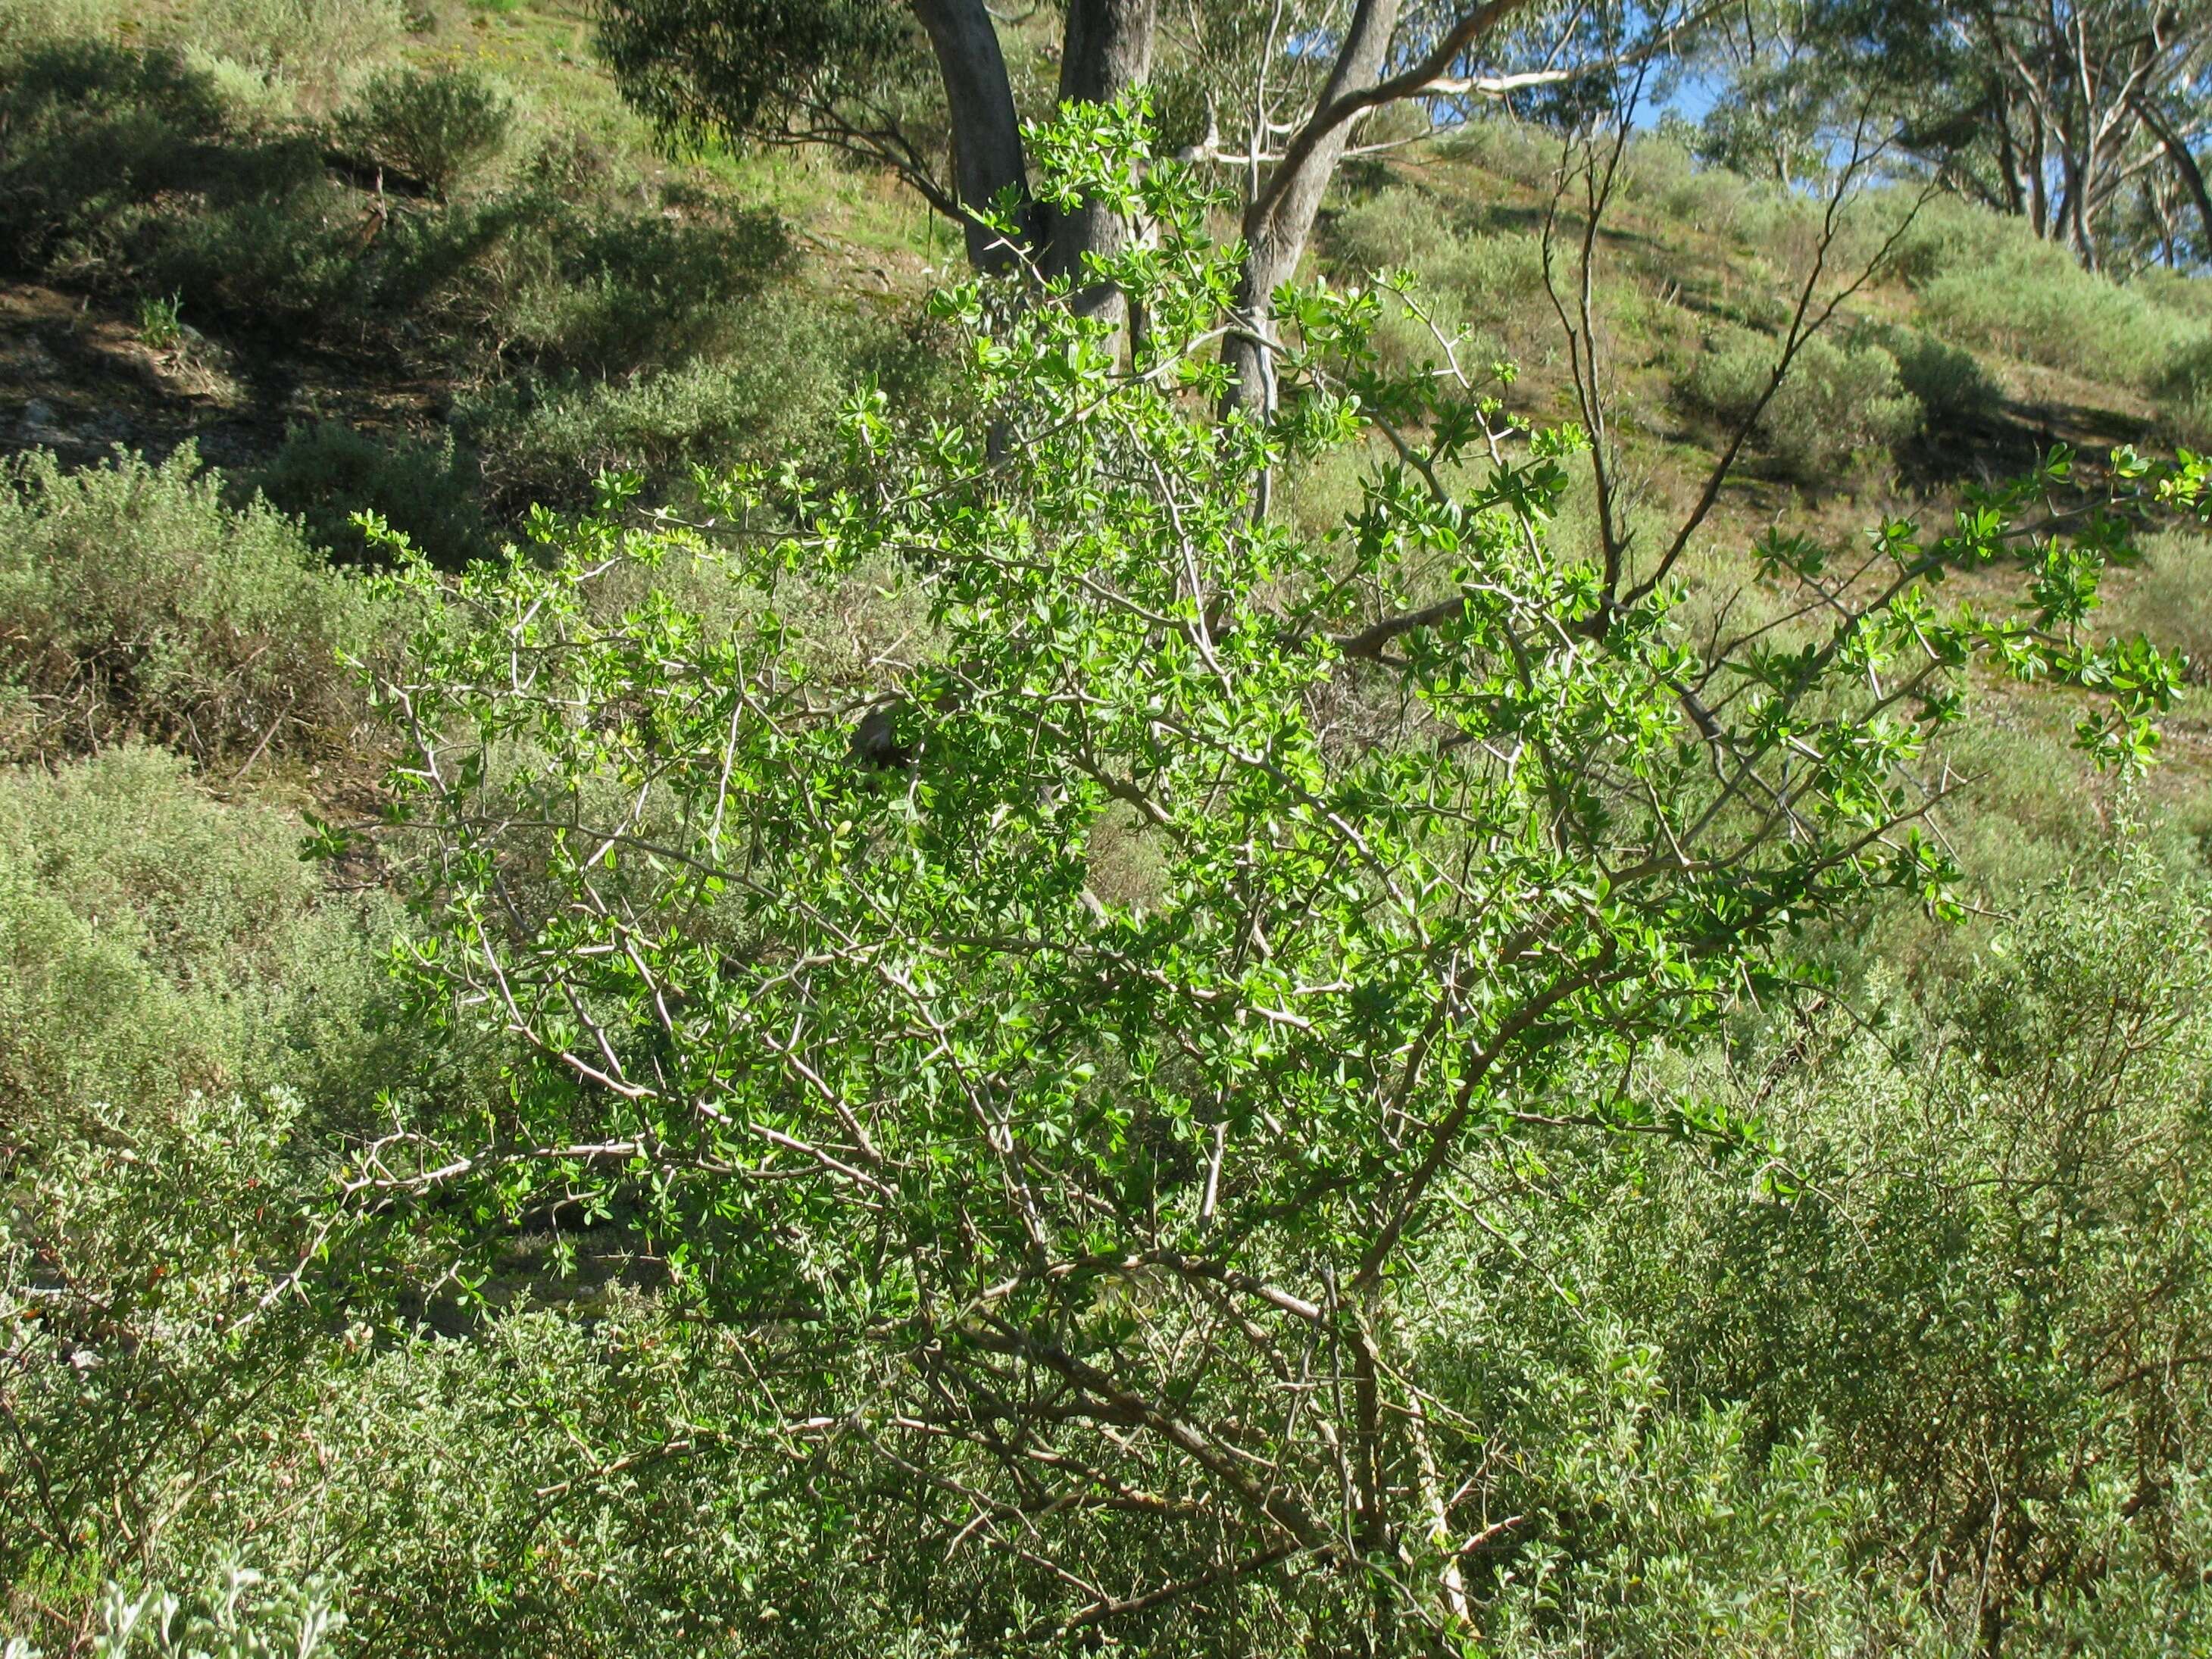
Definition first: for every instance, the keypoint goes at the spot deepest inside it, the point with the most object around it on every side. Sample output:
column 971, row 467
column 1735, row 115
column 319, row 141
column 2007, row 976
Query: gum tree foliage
column 1271, row 97
column 2070, row 112
column 2086, row 117
column 1095, row 1215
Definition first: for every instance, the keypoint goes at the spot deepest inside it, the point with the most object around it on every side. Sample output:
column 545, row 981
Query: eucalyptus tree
column 2069, row 113
column 2077, row 101
column 1774, row 104
column 1080, row 1104
column 1271, row 96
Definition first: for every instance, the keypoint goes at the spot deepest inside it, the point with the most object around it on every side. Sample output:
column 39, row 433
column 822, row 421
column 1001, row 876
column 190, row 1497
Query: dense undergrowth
column 1921, row 1369
column 1949, row 1371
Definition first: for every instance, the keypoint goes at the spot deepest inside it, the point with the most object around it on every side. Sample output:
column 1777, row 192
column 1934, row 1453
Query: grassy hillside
column 1964, row 352
column 260, row 259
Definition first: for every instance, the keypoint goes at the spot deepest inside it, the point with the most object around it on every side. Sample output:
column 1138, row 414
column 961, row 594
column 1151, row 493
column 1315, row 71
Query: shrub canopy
column 1101, row 1210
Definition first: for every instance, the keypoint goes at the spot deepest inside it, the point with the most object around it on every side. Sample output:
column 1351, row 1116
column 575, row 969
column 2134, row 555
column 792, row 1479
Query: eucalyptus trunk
column 1277, row 225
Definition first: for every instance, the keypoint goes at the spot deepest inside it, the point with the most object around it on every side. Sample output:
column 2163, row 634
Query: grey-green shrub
column 90, row 126
column 195, row 1027
column 255, row 100
column 1487, row 276
column 1495, row 274
column 319, row 47
column 1983, row 1260
column 156, row 942
column 431, row 126
column 598, row 292
column 328, row 472
column 1985, row 280
column 130, row 169
column 2185, row 396
column 1838, row 399
column 2188, row 296
column 2169, row 600
column 312, row 45
column 26, row 24
column 134, row 601
column 1515, row 149
column 547, row 443
column 1779, row 1404
column 238, row 1614
column 1948, row 382
column 287, row 259
column 1395, row 227
column 135, row 1255
column 2050, row 311
column 548, row 279
column 1670, row 1530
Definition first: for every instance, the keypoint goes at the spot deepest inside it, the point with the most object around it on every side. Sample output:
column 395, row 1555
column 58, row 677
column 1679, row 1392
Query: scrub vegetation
column 807, row 850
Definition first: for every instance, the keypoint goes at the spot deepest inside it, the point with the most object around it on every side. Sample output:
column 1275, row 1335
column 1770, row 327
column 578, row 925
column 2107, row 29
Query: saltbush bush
column 1985, row 280
column 1395, row 227
column 547, row 443
column 133, row 601
column 310, row 45
column 603, row 292
column 133, row 169
column 1488, row 277
column 256, row 101
column 1948, row 382
column 317, row 47
column 238, row 1614
column 2170, row 598
column 154, row 942
column 1989, row 1256
column 91, row 126
column 546, row 280
column 434, row 127
column 328, row 472
column 1495, row 276
column 1918, row 1365
column 135, row 1252
column 1515, row 149
column 2185, row 396
column 2186, row 295
column 286, row 259
column 26, row 24
column 1838, row 400
column 125, row 170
